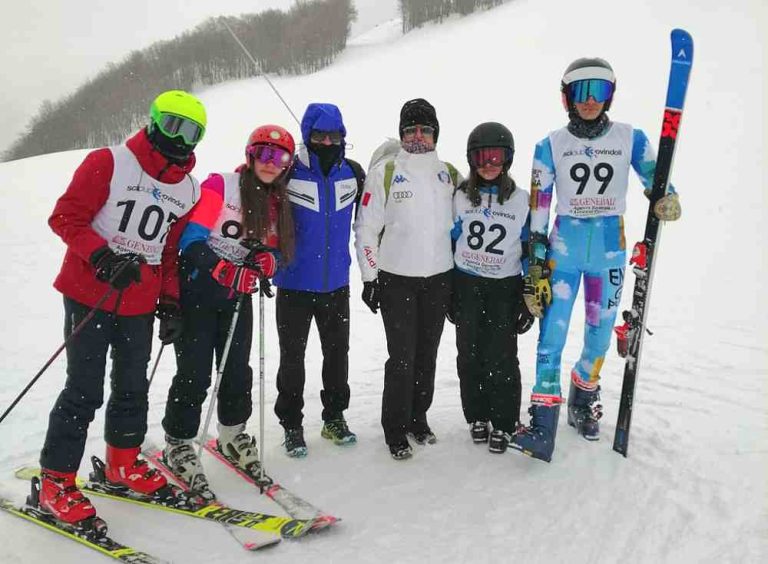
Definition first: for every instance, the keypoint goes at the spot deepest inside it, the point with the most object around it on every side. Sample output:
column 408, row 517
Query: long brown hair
column 254, row 198
column 471, row 186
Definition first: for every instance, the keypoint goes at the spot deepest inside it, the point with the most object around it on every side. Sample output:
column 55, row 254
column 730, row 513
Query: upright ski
column 100, row 543
column 644, row 252
column 295, row 506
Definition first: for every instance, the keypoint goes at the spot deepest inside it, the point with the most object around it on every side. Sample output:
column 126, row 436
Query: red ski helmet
column 272, row 135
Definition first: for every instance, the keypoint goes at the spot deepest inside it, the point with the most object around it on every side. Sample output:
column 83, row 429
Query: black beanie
column 418, row 112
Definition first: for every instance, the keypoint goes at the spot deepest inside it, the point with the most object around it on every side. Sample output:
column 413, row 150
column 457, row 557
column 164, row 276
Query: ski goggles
column 318, row 136
column 426, row 130
column 581, row 90
column 173, row 126
column 488, row 156
column 270, row 154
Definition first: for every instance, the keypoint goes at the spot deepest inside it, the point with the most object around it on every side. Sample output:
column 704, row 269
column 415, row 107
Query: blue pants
column 592, row 249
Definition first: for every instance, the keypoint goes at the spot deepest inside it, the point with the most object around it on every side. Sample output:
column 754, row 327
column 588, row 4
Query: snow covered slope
column 694, row 488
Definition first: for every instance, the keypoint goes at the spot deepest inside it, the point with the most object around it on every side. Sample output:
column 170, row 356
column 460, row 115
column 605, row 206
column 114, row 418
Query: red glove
column 265, row 262
column 240, row 278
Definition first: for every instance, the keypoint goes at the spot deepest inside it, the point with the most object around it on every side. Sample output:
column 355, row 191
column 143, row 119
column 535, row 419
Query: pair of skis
column 252, row 530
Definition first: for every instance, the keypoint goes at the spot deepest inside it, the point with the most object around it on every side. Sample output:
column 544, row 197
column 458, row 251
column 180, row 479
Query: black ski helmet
column 586, row 68
column 491, row 134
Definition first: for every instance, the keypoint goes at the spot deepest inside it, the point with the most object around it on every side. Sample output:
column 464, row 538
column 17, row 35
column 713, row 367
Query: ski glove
column 537, row 292
column 240, row 278
column 371, row 295
column 171, row 324
column 263, row 261
column 119, row 271
column 667, row 208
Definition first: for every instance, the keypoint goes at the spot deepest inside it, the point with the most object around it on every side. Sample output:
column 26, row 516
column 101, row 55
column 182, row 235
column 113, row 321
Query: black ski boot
column 401, row 451
column 585, row 411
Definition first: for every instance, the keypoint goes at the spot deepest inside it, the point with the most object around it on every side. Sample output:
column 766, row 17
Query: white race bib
column 591, row 175
column 140, row 210
column 489, row 245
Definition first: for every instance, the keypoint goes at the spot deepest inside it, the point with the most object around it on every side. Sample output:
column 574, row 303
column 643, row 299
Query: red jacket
column 72, row 218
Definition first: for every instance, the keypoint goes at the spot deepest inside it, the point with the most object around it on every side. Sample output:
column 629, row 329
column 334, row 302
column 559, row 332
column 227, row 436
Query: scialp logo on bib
column 444, row 177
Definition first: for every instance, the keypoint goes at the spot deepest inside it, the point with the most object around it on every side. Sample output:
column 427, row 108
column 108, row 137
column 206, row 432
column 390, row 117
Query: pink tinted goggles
column 494, row 156
column 270, row 154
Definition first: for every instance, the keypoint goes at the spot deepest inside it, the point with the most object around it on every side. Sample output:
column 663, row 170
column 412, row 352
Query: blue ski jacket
column 322, row 212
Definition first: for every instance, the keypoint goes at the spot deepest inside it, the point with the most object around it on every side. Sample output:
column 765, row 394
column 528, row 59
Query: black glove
column 265, row 287
column 371, row 295
column 524, row 320
column 119, row 271
column 171, row 323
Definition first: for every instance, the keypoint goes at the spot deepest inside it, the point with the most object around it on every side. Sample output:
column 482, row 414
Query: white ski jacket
column 408, row 231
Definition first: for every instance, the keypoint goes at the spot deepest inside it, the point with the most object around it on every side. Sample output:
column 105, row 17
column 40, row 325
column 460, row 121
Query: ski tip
column 682, row 46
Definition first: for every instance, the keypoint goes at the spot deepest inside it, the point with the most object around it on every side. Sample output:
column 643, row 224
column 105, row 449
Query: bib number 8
column 603, row 172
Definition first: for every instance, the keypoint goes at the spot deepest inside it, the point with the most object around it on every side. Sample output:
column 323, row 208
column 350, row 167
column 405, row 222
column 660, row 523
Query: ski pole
column 261, row 387
column 69, row 338
column 79, row 327
column 219, row 374
column 154, row 368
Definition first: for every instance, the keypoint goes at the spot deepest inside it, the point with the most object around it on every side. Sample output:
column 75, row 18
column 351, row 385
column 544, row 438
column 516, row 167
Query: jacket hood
column 325, row 117
column 154, row 163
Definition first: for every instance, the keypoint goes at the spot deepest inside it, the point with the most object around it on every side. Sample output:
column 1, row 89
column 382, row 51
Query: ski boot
column 337, row 431
column 181, row 459
column 499, row 441
column 124, row 468
column 401, row 450
column 585, row 411
column 239, row 447
column 57, row 494
column 295, row 447
column 538, row 440
column 479, row 431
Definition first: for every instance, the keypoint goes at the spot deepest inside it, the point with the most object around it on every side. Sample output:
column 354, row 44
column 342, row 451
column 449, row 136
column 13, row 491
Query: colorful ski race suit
column 591, row 178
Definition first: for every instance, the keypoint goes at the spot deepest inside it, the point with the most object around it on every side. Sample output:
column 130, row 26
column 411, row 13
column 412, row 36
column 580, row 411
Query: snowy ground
column 694, row 488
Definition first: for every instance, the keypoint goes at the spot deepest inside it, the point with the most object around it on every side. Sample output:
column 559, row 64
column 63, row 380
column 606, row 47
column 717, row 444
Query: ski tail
column 635, row 319
column 102, row 544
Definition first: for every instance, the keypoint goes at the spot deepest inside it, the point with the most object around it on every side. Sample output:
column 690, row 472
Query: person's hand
column 524, row 321
column 265, row 262
column 537, row 293
column 371, row 295
column 119, row 271
column 171, row 323
column 667, row 208
column 240, row 278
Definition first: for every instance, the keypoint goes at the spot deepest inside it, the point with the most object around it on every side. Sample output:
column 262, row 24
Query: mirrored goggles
column 493, row 156
column 426, row 130
column 270, row 154
column 176, row 126
column 581, row 90
column 318, row 136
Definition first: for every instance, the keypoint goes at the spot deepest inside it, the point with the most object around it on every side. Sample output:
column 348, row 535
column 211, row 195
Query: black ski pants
column 295, row 310
column 206, row 328
column 413, row 310
column 489, row 373
column 130, row 341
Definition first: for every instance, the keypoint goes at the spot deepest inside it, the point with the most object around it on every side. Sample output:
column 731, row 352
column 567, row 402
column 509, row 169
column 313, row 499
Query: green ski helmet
column 177, row 124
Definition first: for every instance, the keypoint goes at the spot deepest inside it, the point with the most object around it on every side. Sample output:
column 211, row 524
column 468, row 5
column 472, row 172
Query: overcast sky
column 51, row 46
